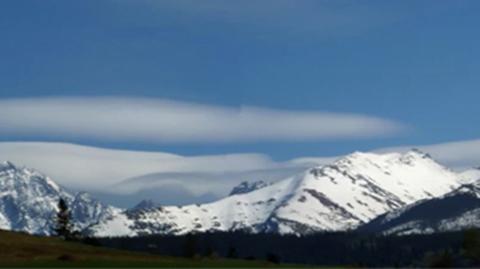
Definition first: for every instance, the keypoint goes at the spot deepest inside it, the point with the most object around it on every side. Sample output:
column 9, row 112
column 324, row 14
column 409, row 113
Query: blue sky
column 410, row 62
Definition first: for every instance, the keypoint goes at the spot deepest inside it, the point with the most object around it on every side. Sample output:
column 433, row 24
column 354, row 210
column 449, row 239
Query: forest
column 452, row 249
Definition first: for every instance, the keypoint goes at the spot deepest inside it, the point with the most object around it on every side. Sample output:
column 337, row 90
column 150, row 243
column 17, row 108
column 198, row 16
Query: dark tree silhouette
column 63, row 226
column 232, row 253
column 334, row 249
column 273, row 258
column 190, row 246
column 471, row 245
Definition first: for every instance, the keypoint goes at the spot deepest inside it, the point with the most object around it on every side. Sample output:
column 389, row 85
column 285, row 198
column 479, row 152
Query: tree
column 63, row 226
column 232, row 253
column 190, row 246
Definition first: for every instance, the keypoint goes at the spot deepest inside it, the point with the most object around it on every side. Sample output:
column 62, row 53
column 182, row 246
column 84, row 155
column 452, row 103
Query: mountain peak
column 29, row 200
column 470, row 176
column 358, row 158
column 6, row 165
column 246, row 187
column 419, row 153
column 18, row 177
column 146, row 204
column 352, row 158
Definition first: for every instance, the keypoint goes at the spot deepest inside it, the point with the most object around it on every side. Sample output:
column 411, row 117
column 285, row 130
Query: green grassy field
column 21, row 250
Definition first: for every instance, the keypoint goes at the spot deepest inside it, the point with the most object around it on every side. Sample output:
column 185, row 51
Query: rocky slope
column 246, row 187
column 457, row 210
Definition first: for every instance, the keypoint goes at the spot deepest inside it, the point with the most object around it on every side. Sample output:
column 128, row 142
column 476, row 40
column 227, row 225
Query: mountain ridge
column 343, row 195
column 460, row 209
column 29, row 202
column 340, row 196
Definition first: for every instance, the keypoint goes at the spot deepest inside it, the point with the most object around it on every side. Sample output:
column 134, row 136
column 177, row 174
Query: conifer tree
column 63, row 226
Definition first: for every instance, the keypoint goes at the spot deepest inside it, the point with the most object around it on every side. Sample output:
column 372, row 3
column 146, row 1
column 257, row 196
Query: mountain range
column 454, row 211
column 29, row 202
column 341, row 196
column 368, row 191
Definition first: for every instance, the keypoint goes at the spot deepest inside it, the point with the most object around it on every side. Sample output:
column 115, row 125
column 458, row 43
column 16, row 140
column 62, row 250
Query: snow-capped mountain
column 456, row 210
column 350, row 192
column 29, row 200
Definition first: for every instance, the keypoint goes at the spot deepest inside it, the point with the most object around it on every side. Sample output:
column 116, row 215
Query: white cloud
column 201, row 183
column 164, row 121
column 89, row 167
column 122, row 175
column 457, row 155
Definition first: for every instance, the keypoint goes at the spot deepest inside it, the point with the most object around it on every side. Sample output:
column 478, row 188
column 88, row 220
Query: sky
column 282, row 78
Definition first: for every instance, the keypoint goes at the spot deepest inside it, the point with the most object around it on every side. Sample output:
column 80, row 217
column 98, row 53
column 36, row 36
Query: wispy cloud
column 165, row 121
column 97, row 168
column 125, row 177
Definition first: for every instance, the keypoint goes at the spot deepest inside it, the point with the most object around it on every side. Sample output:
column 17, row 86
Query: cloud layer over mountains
column 122, row 173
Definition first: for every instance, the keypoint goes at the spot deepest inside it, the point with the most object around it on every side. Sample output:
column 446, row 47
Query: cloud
column 196, row 186
column 203, row 182
column 165, row 121
column 458, row 155
column 122, row 176
column 89, row 167
column 167, row 194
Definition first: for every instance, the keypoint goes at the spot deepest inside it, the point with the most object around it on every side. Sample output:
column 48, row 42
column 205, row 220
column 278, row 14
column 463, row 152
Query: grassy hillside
column 21, row 250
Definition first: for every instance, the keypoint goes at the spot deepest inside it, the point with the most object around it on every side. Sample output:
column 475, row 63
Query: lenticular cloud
column 165, row 121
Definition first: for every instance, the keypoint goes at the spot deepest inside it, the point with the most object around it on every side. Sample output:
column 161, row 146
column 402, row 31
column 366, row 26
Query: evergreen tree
column 63, row 226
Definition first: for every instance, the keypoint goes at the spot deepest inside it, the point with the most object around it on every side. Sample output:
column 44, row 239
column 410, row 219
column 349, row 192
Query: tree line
column 454, row 249
column 451, row 249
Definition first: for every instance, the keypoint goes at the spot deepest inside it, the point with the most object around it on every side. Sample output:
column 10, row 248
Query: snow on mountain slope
column 470, row 176
column 340, row 196
column 456, row 210
column 28, row 202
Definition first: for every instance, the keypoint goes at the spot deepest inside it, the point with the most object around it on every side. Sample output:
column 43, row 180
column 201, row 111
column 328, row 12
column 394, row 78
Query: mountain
column 457, row 210
column 246, row 187
column 343, row 195
column 184, row 188
column 470, row 176
column 145, row 205
column 29, row 199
